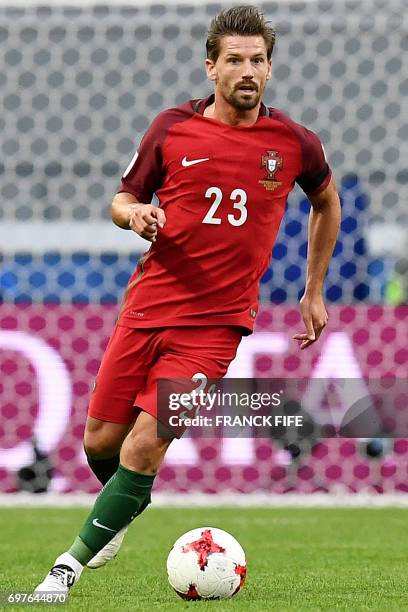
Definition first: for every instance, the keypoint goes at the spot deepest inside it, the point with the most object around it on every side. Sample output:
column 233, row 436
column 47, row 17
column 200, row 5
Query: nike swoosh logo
column 98, row 524
column 191, row 162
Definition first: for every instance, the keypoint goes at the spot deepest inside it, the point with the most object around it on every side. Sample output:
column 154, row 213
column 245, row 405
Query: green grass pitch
column 298, row 559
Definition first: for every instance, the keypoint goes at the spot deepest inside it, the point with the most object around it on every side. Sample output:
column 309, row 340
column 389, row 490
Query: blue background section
column 82, row 277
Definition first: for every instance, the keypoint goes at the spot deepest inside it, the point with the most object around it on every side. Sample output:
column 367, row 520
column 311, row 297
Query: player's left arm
column 324, row 223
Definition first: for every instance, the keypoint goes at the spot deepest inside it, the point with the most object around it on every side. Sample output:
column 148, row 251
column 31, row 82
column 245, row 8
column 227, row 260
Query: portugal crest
column 272, row 162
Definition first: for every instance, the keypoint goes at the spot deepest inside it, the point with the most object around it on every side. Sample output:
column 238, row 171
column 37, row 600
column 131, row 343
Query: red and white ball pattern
column 206, row 563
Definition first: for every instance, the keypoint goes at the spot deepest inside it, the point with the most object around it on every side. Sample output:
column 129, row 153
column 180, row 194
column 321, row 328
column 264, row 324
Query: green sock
column 103, row 468
column 123, row 498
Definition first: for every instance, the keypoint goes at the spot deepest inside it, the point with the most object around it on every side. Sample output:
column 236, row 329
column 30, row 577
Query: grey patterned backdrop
column 81, row 85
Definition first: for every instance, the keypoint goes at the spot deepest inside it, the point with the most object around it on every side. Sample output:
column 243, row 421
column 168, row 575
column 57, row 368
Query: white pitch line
column 201, row 500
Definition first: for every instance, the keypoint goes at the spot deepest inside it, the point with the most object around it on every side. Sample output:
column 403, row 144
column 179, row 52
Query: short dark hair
column 239, row 21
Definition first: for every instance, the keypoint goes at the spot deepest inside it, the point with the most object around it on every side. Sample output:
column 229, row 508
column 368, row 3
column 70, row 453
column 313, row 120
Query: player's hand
column 145, row 219
column 315, row 318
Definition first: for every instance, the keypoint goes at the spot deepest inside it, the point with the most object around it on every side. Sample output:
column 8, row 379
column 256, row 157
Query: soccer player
column 222, row 168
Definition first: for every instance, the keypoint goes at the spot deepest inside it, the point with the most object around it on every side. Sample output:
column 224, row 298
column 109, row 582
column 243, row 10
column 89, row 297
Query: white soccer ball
column 206, row 563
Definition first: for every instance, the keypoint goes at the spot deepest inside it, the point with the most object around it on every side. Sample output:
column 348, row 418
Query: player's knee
column 145, row 452
column 99, row 445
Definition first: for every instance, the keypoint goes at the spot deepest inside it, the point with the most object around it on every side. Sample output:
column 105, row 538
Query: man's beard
column 239, row 103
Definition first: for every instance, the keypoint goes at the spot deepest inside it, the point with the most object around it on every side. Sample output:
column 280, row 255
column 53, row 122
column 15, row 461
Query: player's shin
column 123, row 498
column 103, row 468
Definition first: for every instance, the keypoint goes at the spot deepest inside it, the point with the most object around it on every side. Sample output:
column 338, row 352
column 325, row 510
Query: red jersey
column 223, row 190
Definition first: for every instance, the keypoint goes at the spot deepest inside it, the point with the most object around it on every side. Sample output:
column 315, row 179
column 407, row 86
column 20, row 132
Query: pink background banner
column 49, row 357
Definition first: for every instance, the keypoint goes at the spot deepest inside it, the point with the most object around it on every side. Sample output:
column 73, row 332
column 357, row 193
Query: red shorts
column 135, row 358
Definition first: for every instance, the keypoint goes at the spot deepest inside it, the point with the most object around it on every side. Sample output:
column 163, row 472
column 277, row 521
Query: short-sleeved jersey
column 223, row 190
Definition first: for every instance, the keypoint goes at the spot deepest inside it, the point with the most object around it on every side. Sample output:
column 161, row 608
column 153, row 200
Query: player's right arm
column 141, row 179
column 144, row 219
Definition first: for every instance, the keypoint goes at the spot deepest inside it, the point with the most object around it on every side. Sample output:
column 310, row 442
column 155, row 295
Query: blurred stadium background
column 80, row 85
